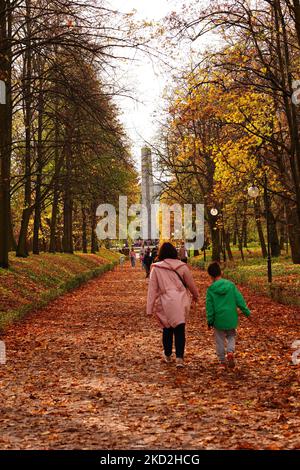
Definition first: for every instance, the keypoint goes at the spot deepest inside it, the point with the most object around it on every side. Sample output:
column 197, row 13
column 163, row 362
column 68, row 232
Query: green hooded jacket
column 222, row 300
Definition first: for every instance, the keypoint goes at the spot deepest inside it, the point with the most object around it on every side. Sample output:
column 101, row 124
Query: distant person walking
column 222, row 301
column 147, row 262
column 154, row 254
column 122, row 260
column 142, row 254
column 132, row 256
column 170, row 286
column 183, row 254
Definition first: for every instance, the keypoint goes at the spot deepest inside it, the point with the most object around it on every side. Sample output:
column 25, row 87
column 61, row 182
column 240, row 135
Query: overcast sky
column 144, row 75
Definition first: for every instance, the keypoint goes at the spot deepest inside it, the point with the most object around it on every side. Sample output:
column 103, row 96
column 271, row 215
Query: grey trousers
column 220, row 337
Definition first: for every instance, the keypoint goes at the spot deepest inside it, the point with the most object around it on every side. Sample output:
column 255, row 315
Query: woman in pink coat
column 169, row 297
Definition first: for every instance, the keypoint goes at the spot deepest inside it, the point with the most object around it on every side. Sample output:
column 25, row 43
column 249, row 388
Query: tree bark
column 68, row 202
column 245, row 226
column 22, row 249
column 58, row 162
column 234, row 241
column 286, row 77
column 227, row 244
column 84, row 230
column 53, row 223
column 12, row 244
column 274, row 240
column 240, row 237
column 94, row 240
column 67, row 241
column 282, row 238
column 37, row 213
column 296, row 4
column 257, row 210
column 215, row 243
column 293, row 233
column 5, row 131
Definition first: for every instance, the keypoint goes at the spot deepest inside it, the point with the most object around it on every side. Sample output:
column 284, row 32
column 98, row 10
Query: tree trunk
column 58, row 159
column 293, row 233
column 67, row 241
column 227, row 244
column 58, row 243
column 53, row 224
column 234, row 241
column 22, row 249
column 5, row 131
column 94, row 240
column 36, row 223
column 296, row 4
column 216, row 246
column 12, row 240
column 240, row 237
column 257, row 210
column 37, row 213
column 274, row 240
column 286, row 78
column 245, row 226
column 68, row 204
column 282, row 237
column 223, row 244
column 84, row 230
column 44, row 238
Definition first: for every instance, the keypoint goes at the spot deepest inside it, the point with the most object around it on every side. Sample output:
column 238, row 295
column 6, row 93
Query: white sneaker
column 179, row 362
column 167, row 359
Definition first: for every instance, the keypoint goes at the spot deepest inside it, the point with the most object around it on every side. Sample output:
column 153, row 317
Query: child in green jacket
column 222, row 300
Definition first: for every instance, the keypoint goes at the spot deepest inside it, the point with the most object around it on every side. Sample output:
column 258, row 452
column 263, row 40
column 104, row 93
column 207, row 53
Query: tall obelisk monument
column 147, row 183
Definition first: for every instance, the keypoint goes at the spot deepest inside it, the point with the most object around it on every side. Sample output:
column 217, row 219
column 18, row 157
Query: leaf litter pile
column 86, row 373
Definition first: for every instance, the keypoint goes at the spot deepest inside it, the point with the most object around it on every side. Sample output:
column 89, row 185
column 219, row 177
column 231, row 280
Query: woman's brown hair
column 167, row 251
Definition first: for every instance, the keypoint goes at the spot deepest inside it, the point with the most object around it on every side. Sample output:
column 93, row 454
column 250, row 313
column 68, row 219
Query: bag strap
column 174, row 271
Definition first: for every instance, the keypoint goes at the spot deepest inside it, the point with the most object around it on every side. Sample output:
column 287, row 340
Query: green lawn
column 34, row 281
column 253, row 273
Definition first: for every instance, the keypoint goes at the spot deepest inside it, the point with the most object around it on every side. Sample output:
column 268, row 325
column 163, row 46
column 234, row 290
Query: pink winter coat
column 167, row 296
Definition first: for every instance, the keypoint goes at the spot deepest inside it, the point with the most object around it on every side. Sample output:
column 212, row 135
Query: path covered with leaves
column 86, row 373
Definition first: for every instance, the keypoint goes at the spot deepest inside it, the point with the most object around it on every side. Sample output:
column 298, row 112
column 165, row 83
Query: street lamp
column 253, row 192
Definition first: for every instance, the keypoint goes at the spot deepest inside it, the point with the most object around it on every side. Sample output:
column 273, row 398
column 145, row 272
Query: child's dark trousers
column 179, row 334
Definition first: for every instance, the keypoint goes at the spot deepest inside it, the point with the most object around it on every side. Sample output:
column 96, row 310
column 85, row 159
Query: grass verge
column 33, row 282
column 252, row 273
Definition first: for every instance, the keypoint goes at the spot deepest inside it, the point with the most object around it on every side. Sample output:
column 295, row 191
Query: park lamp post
column 253, row 192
